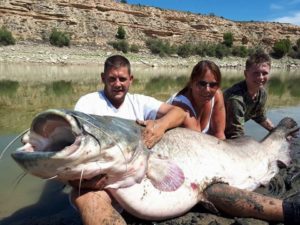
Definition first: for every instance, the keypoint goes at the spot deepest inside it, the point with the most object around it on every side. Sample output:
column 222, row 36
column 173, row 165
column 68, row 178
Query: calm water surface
column 30, row 196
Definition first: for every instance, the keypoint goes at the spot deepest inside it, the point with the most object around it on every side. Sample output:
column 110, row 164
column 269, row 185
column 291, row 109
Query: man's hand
column 153, row 132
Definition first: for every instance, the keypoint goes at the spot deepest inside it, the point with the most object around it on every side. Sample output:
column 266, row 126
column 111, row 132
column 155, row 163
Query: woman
column 203, row 100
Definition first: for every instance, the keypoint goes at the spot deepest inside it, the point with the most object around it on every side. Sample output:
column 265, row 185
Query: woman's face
column 204, row 88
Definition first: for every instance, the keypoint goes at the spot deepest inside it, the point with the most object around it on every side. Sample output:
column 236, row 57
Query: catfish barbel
column 163, row 182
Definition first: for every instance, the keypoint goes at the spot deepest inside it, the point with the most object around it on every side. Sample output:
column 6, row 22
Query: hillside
column 95, row 22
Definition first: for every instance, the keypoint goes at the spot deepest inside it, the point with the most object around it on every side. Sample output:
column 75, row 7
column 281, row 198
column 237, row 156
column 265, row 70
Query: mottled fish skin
column 155, row 184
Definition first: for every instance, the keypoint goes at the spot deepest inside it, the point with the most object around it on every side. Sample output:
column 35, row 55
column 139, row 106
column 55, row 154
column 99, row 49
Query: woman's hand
column 153, row 132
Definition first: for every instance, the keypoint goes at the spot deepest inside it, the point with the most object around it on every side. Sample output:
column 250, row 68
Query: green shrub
column 59, row 38
column 251, row 51
column 134, row 48
column 121, row 45
column 185, row 50
column 6, row 37
column 160, row 47
column 121, row 33
column 281, row 48
column 222, row 51
column 228, row 39
column 200, row 49
column 210, row 50
column 239, row 51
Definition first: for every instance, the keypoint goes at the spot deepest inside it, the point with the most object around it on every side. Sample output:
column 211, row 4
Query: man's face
column 257, row 75
column 116, row 84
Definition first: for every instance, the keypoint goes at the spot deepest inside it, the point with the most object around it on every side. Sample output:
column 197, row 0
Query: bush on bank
column 124, row 46
column 160, row 47
column 281, row 48
column 121, row 33
column 6, row 37
column 163, row 48
column 59, row 38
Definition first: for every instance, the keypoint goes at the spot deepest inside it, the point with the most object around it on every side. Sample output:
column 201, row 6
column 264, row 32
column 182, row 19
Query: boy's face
column 257, row 75
column 116, row 84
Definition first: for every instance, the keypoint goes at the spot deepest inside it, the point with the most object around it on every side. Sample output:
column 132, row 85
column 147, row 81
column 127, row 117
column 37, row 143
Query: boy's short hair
column 257, row 58
column 116, row 61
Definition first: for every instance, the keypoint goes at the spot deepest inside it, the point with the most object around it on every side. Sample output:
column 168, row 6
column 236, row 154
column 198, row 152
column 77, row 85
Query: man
column 115, row 100
column 247, row 99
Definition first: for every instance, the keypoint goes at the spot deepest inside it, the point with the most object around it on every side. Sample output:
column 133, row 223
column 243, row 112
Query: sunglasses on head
column 203, row 83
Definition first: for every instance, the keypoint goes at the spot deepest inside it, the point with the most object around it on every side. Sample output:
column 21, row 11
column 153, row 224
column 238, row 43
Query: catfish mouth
column 292, row 128
column 53, row 131
column 292, row 134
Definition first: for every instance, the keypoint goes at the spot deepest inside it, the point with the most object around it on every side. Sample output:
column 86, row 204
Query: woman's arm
column 190, row 119
column 218, row 117
column 168, row 116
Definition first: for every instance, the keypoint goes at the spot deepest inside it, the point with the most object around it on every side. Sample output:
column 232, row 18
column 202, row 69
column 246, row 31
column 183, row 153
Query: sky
column 284, row 11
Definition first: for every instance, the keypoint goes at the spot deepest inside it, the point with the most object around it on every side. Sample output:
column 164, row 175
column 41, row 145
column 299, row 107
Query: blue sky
column 285, row 11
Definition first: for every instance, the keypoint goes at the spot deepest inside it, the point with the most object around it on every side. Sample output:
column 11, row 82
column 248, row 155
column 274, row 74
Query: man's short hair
column 258, row 58
column 116, row 61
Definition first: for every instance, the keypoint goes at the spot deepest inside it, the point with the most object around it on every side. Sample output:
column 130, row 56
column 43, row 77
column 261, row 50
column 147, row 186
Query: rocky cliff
column 95, row 22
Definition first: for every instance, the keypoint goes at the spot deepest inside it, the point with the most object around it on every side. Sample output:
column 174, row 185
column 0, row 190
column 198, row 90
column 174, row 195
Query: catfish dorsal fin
column 165, row 174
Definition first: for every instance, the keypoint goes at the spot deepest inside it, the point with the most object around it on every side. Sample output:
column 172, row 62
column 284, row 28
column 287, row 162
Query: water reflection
column 28, row 89
column 47, row 73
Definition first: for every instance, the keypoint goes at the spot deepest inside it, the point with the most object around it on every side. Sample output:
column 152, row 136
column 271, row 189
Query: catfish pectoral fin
column 165, row 174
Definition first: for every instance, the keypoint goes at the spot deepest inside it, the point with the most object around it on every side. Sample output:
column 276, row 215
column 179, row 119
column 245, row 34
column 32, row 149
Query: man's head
column 117, row 79
column 258, row 67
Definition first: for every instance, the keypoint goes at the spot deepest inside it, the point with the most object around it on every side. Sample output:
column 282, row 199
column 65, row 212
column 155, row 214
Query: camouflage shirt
column 240, row 108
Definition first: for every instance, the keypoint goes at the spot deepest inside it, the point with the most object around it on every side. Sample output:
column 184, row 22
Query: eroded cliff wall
column 95, row 22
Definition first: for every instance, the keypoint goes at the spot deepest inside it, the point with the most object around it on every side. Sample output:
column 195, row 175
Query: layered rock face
column 95, row 22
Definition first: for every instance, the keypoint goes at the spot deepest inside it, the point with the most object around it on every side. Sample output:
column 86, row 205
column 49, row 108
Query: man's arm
column 261, row 115
column 267, row 124
column 235, row 118
column 168, row 116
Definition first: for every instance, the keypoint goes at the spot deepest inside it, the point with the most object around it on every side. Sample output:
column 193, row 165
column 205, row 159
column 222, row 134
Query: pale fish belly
column 202, row 160
column 145, row 201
